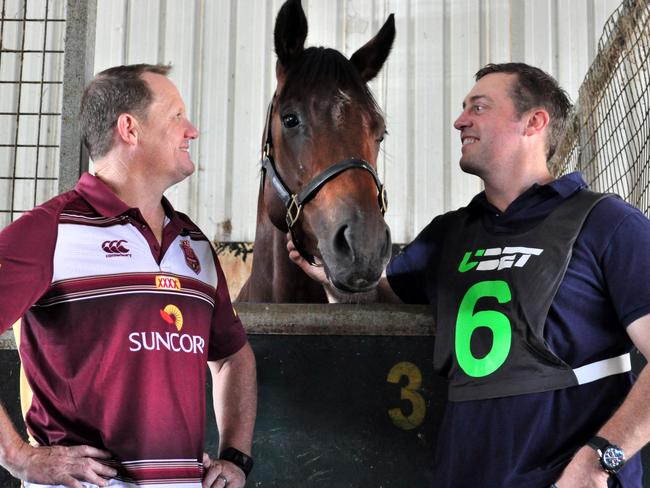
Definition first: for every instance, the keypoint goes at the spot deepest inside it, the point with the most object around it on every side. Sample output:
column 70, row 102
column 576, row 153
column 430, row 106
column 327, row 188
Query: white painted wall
column 223, row 60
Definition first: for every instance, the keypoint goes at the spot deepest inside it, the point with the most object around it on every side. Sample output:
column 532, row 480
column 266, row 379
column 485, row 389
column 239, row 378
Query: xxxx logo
column 497, row 258
column 168, row 283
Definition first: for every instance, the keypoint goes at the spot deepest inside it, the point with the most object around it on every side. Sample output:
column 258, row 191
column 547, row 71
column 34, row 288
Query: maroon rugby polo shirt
column 116, row 331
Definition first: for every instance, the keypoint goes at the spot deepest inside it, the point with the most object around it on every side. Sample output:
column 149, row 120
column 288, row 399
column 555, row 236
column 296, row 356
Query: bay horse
column 318, row 180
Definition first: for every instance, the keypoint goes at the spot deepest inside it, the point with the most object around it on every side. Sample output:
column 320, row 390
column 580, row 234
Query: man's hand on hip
column 219, row 473
column 583, row 471
column 61, row 465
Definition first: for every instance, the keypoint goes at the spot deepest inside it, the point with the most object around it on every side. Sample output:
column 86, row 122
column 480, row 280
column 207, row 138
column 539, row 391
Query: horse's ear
column 290, row 32
column 371, row 57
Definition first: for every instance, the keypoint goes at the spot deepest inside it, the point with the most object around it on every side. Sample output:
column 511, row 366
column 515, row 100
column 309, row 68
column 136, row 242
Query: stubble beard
column 471, row 166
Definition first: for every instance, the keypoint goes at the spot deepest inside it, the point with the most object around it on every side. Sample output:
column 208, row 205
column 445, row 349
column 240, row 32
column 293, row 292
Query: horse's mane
column 325, row 72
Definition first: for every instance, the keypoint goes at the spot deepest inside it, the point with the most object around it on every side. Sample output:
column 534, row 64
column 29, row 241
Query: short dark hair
column 536, row 88
column 111, row 93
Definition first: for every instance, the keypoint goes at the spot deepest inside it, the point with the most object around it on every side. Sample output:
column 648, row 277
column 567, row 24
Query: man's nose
column 462, row 121
column 191, row 131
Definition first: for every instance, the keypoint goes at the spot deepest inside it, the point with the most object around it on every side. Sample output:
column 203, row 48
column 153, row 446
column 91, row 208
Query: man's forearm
column 629, row 427
column 10, row 441
column 235, row 399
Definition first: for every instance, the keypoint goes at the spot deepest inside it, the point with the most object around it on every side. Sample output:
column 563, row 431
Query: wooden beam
column 323, row 320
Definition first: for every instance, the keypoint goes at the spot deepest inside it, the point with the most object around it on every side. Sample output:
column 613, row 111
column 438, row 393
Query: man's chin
column 186, row 170
column 470, row 167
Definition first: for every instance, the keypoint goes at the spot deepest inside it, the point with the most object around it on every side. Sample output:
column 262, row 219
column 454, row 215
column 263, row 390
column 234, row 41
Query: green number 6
column 468, row 321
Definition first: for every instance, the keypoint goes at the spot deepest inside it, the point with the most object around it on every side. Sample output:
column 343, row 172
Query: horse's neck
column 274, row 277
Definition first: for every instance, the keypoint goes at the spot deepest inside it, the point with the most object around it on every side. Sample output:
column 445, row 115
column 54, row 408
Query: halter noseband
column 294, row 202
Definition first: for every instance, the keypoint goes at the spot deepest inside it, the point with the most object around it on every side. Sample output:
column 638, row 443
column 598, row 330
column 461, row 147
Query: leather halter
column 294, row 202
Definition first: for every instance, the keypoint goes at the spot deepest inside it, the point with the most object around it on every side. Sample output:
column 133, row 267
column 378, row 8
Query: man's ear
column 128, row 129
column 537, row 120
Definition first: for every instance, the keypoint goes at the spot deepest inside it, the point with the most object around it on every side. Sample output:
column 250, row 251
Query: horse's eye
column 290, row 120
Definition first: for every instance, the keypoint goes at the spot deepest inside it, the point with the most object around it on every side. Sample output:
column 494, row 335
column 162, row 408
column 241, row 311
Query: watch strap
column 238, row 458
column 612, row 457
column 598, row 443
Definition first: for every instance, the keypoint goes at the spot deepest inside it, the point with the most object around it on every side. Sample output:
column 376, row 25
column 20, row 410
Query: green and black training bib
column 494, row 294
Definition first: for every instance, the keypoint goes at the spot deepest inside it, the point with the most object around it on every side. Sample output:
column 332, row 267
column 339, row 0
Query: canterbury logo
column 115, row 248
column 168, row 283
column 497, row 258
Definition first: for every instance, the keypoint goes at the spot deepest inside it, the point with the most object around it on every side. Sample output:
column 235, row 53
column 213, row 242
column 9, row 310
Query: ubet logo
column 497, row 258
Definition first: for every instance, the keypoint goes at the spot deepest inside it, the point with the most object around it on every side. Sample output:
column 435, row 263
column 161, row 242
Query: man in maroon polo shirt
column 123, row 303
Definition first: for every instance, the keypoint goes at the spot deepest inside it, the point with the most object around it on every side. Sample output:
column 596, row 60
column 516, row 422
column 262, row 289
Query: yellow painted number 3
column 409, row 393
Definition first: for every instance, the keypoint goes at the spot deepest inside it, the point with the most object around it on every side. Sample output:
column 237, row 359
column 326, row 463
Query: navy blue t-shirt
column 527, row 440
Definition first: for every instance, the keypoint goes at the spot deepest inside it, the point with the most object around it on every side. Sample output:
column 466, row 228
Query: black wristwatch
column 235, row 456
column 612, row 457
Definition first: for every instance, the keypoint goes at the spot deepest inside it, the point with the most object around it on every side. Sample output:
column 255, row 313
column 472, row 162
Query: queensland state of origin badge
column 190, row 257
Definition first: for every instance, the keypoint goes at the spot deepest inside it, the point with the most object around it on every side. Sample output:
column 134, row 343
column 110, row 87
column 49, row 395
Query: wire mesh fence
column 608, row 139
column 32, row 36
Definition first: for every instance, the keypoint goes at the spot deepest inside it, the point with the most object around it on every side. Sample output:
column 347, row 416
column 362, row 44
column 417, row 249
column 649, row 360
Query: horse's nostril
column 342, row 244
column 388, row 243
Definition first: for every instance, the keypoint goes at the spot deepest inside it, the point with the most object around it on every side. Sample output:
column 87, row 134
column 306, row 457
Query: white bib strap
column 601, row 369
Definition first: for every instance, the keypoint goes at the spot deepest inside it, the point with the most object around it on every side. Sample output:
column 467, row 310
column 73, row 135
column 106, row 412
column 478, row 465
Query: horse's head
column 323, row 137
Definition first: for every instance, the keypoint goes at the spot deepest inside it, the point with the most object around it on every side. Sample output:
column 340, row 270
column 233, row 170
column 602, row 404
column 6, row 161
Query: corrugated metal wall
column 223, row 60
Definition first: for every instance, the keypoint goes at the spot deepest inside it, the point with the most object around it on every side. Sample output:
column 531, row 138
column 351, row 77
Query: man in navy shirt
column 539, row 288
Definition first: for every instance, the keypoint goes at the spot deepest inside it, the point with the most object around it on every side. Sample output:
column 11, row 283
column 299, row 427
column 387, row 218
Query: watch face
column 613, row 459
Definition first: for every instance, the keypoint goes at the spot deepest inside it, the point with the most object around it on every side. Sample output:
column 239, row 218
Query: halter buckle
column 293, row 211
column 266, row 150
column 383, row 200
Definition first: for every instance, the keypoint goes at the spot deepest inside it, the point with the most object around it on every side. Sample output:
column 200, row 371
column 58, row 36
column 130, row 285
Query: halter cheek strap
column 294, row 202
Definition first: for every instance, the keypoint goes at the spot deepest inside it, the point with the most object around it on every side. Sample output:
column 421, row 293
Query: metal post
column 77, row 71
